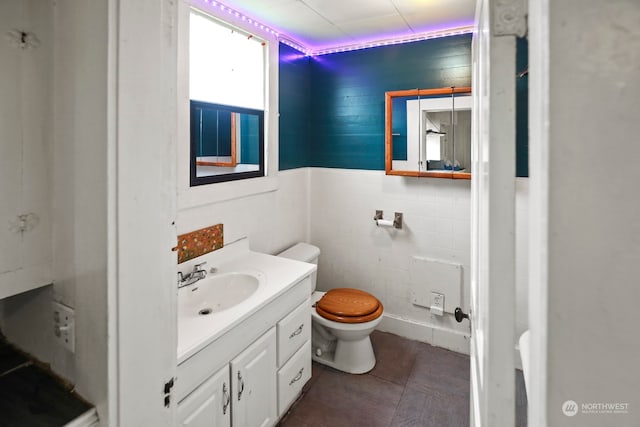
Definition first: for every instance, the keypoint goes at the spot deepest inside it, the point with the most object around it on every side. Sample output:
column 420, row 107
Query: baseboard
column 446, row 338
column 439, row 337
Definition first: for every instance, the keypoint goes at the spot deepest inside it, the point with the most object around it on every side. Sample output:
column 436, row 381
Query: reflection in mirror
column 227, row 143
column 428, row 133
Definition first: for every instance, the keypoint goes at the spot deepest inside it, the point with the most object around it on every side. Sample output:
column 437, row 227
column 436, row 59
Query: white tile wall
column 334, row 209
column 356, row 253
column 436, row 225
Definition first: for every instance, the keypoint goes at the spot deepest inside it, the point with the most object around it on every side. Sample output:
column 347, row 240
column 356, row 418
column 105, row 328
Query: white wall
column 585, row 251
column 273, row 221
column 79, row 192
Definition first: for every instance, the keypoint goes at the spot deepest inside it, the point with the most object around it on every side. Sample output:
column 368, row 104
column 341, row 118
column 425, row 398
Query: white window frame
column 191, row 197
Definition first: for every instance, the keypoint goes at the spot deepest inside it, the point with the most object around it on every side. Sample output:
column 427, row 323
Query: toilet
column 342, row 320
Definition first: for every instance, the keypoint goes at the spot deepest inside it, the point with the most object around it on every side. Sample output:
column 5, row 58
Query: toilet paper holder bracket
column 380, row 221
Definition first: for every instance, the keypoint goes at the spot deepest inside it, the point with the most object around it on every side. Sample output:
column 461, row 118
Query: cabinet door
column 25, row 152
column 253, row 376
column 209, row 405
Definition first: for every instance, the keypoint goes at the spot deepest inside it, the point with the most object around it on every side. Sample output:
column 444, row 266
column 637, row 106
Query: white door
column 253, row 376
column 492, row 313
column 209, row 405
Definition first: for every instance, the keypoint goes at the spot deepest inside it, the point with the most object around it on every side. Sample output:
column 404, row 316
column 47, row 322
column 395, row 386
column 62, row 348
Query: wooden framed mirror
column 428, row 132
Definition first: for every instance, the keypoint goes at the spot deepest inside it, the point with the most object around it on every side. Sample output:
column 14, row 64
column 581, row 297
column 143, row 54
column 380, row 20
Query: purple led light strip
column 396, row 40
column 341, row 48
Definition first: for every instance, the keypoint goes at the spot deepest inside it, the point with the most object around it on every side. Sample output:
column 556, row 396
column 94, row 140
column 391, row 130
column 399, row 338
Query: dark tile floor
column 412, row 384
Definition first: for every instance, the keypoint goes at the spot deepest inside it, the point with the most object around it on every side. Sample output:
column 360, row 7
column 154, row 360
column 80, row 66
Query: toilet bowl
column 342, row 320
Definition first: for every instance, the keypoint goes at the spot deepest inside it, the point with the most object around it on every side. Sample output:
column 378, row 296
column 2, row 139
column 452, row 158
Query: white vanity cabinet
column 294, row 355
column 242, row 393
column 293, row 376
column 250, row 375
column 209, row 405
column 253, row 376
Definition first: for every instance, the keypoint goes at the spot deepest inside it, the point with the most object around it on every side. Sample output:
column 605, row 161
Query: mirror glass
column 227, row 143
column 429, row 133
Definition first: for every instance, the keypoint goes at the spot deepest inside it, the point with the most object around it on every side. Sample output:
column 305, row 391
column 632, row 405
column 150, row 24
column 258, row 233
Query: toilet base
column 353, row 357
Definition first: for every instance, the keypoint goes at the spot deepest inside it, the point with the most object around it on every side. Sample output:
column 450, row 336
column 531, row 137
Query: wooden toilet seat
column 346, row 305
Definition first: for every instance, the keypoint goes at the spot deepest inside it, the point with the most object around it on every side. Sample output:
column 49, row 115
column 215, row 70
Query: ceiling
column 320, row 25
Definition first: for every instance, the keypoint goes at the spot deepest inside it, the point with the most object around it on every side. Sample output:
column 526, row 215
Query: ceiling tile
column 292, row 17
column 330, row 23
column 347, row 10
column 431, row 15
column 380, row 26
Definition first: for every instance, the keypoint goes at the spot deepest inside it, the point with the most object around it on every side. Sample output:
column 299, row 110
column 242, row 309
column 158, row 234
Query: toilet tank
column 306, row 253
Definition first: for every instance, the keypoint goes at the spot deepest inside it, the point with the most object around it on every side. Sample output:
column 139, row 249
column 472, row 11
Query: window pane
column 225, row 66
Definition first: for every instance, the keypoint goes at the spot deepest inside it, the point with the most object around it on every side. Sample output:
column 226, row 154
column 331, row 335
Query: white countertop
column 276, row 276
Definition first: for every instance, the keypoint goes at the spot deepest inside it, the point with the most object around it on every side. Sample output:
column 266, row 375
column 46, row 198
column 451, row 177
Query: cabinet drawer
column 293, row 331
column 292, row 376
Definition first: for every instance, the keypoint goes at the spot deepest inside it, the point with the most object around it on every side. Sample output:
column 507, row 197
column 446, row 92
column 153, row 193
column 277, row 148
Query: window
column 227, row 92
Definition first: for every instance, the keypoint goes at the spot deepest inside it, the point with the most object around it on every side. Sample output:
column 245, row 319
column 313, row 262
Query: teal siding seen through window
column 249, row 131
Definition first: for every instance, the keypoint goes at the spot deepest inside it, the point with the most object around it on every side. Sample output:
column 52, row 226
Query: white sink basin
column 216, row 293
column 244, row 283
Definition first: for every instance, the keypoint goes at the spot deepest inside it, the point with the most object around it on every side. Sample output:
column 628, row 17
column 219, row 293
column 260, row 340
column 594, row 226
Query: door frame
column 492, row 313
column 141, row 117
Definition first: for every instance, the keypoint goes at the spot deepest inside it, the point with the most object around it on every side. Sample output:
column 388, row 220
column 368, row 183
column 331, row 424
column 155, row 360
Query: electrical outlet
column 437, row 303
column 64, row 326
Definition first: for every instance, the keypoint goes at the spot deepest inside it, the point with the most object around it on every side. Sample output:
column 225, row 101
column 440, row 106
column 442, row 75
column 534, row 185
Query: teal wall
column 332, row 106
column 295, row 102
column 348, row 95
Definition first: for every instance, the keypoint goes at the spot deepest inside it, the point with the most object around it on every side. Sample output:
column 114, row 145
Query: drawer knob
column 297, row 377
column 297, row 331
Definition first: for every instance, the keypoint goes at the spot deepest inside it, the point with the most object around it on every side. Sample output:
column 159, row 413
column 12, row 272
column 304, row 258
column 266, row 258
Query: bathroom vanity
column 247, row 363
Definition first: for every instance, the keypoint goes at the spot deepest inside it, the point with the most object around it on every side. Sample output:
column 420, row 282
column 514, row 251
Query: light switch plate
column 64, row 326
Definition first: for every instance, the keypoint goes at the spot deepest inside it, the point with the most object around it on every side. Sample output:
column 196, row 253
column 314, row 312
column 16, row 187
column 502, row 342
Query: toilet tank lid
column 301, row 252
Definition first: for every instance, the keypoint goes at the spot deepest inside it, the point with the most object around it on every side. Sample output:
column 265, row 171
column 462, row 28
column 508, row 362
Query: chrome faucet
column 197, row 274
